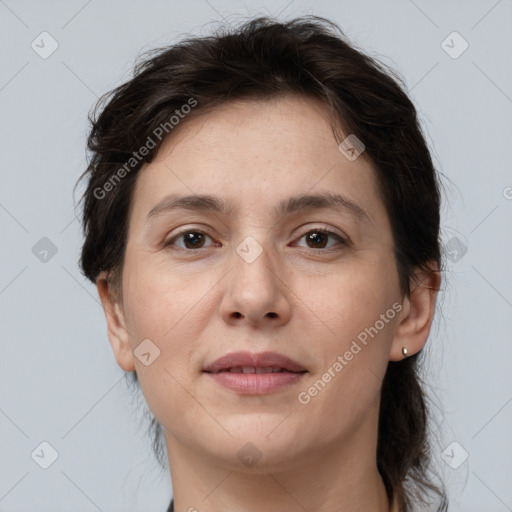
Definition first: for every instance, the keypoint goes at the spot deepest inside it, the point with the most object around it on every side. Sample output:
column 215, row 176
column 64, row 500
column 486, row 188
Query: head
column 252, row 117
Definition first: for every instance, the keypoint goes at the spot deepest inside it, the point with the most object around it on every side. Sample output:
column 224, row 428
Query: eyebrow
column 215, row 204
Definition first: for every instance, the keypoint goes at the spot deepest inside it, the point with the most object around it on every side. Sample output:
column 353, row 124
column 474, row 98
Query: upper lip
column 250, row 360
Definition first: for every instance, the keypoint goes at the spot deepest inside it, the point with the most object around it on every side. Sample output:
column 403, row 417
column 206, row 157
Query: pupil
column 314, row 238
column 193, row 238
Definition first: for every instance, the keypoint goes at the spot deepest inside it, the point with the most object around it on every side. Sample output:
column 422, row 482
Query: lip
column 248, row 359
column 256, row 383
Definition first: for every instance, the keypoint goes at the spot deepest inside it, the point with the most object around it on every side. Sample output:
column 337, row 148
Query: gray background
column 59, row 380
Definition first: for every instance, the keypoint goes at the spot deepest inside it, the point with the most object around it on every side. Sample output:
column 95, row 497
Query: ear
column 116, row 324
column 417, row 314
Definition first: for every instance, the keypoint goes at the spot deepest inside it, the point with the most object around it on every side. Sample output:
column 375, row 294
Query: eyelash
column 340, row 239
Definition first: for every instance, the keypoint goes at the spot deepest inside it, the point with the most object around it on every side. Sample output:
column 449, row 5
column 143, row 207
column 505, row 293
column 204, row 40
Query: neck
column 340, row 475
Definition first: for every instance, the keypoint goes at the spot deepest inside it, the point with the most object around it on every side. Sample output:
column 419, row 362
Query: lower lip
column 256, row 383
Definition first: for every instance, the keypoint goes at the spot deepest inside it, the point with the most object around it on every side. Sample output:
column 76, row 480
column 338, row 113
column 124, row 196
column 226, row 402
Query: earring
column 404, row 351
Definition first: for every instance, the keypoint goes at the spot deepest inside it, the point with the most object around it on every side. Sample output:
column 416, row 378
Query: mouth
column 255, row 374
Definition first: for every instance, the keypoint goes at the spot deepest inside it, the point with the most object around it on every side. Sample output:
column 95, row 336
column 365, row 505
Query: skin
column 198, row 305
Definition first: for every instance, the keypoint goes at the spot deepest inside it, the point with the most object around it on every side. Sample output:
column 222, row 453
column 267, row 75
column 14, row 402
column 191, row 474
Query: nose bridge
column 254, row 250
column 253, row 266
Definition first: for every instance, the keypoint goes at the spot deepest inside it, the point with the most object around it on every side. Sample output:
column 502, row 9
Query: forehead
column 256, row 154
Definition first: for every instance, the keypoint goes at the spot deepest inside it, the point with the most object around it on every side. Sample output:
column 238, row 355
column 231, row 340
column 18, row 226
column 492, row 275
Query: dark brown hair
column 264, row 58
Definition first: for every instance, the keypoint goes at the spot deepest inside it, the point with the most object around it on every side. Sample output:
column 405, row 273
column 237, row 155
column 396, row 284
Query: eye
column 195, row 239
column 192, row 239
column 318, row 238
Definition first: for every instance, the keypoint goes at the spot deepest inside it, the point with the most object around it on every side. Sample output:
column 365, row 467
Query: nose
column 256, row 293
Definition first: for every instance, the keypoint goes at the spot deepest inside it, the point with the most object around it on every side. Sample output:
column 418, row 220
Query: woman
column 261, row 220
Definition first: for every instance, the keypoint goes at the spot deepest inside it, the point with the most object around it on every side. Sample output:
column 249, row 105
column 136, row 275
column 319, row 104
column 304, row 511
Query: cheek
column 352, row 299
column 353, row 348
column 158, row 298
column 156, row 311
column 356, row 339
column 171, row 310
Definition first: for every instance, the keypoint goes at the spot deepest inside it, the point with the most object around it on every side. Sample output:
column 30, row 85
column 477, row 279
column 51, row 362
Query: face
column 317, row 284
